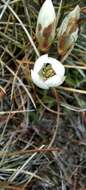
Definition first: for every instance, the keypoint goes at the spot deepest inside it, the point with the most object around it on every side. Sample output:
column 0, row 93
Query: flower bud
column 68, row 32
column 46, row 24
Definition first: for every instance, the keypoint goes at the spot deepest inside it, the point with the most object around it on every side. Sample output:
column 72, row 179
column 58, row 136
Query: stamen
column 47, row 71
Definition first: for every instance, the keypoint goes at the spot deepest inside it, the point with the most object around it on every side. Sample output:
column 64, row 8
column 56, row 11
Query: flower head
column 68, row 31
column 47, row 72
column 46, row 24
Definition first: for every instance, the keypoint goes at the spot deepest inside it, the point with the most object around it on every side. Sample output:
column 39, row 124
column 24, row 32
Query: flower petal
column 40, row 62
column 46, row 14
column 54, row 81
column 75, row 14
column 57, row 66
column 74, row 35
column 38, row 80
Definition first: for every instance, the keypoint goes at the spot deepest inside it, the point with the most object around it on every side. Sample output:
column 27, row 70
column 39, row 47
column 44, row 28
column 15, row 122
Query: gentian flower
column 47, row 72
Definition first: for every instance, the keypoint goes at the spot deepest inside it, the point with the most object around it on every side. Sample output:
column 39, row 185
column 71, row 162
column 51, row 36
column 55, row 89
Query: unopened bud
column 46, row 24
column 68, row 32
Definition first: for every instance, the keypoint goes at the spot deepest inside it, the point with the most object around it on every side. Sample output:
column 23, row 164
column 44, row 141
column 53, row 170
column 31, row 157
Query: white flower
column 47, row 72
column 46, row 24
column 68, row 31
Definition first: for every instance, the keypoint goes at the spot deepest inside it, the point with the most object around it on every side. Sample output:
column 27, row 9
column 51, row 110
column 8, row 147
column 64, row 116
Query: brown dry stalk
column 8, row 186
column 43, row 150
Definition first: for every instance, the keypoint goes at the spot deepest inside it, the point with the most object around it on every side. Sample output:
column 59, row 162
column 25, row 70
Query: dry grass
column 42, row 133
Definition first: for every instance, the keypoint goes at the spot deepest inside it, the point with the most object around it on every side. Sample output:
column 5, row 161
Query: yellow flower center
column 47, row 72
